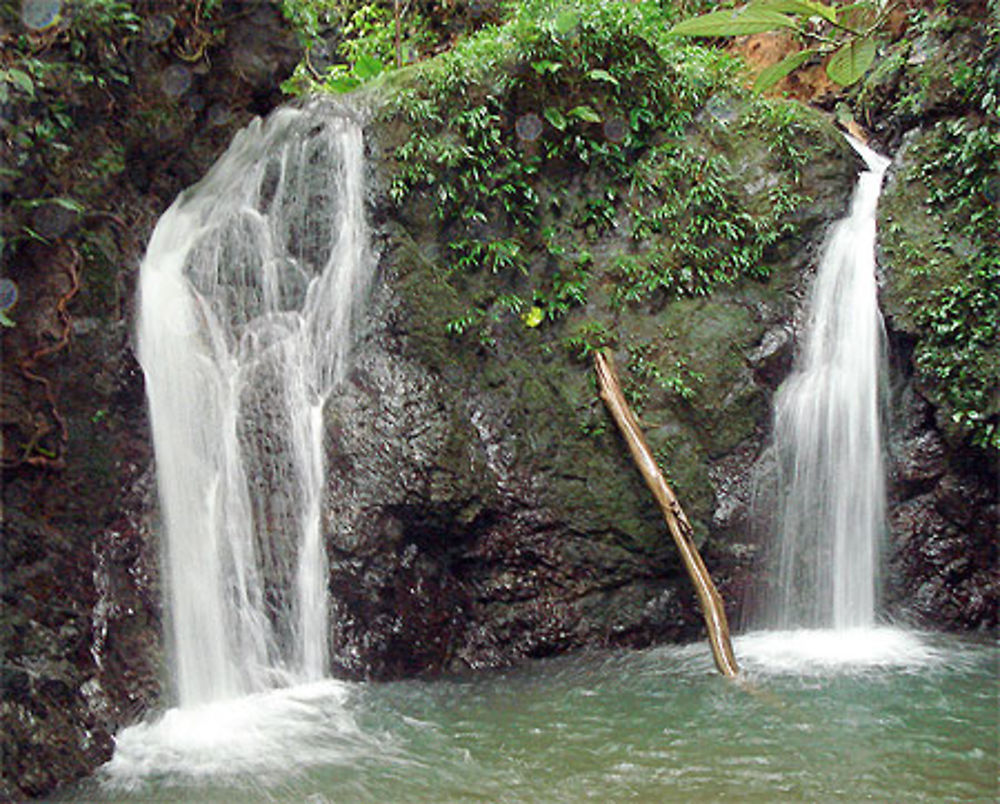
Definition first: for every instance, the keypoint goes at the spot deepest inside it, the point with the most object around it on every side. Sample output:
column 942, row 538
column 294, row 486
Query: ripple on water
column 914, row 724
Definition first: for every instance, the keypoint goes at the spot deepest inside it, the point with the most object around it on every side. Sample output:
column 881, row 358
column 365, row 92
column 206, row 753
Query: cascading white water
column 250, row 288
column 827, row 435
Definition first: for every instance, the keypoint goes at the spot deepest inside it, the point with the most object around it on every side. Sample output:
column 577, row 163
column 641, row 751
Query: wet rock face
column 482, row 508
column 80, row 625
column 942, row 561
column 449, row 548
column 47, row 723
column 80, row 607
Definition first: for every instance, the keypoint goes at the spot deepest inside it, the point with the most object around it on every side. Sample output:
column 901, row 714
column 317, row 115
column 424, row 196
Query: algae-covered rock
column 483, row 507
column 940, row 265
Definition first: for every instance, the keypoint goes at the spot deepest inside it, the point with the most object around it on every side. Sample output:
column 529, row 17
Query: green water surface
column 651, row 726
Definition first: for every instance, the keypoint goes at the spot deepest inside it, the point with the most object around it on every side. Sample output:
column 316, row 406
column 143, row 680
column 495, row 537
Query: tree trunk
column 680, row 528
column 398, row 13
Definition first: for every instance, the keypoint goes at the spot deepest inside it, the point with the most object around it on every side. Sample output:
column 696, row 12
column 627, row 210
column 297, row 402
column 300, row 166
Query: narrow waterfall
column 249, row 291
column 827, row 435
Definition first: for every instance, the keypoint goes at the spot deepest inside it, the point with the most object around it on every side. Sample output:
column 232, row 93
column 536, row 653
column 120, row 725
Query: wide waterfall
column 250, row 289
column 827, row 435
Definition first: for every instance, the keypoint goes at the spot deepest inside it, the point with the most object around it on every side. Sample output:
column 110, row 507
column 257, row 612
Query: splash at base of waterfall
column 255, row 738
column 822, row 651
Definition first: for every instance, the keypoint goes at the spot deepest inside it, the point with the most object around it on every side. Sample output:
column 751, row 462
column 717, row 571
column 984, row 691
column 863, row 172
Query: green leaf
column 367, row 67
column 67, row 203
column 586, row 114
column 555, row 117
column 22, row 80
column 746, row 20
column 5, row 321
column 850, row 62
column 602, row 75
column 804, row 8
column 773, row 74
column 342, row 83
column 545, row 66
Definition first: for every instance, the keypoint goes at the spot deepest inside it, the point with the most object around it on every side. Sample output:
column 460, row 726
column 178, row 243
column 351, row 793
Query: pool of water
column 877, row 715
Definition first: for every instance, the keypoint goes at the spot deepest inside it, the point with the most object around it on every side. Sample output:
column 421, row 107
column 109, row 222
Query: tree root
column 32, row 455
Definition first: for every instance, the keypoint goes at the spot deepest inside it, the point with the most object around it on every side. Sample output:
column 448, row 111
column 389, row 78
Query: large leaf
column 773, row 74
column 746, row 20
column 367, row 67
column 555, row 117
column 851, row 61
column 586, row 113
column 804, row 8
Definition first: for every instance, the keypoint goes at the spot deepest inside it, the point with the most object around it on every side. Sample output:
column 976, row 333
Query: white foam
column 813, row 651
column 251, row 737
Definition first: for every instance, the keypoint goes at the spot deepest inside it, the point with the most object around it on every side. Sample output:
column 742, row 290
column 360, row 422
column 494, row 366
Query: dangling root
column 32, row 454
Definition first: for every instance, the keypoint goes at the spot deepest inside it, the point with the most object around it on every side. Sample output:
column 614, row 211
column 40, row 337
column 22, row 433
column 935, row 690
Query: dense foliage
column 950, row 264
column 591, row 101
column 955, row 285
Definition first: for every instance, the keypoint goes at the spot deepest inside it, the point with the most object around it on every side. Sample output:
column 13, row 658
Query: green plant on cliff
column 943, row 241
column 590, row 96
column 696, row 199
column 645, row 373
column 366, row 39
column 845, row 36
column 959, row 355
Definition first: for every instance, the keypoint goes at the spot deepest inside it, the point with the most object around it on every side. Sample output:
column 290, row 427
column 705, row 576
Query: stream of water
column 250, row 290
column 827, row 431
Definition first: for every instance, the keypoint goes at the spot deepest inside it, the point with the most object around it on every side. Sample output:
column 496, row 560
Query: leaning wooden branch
column 677, row 521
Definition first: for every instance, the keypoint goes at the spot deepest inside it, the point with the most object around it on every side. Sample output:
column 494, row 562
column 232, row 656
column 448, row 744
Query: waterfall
column 827, row 435
column 249, row 290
